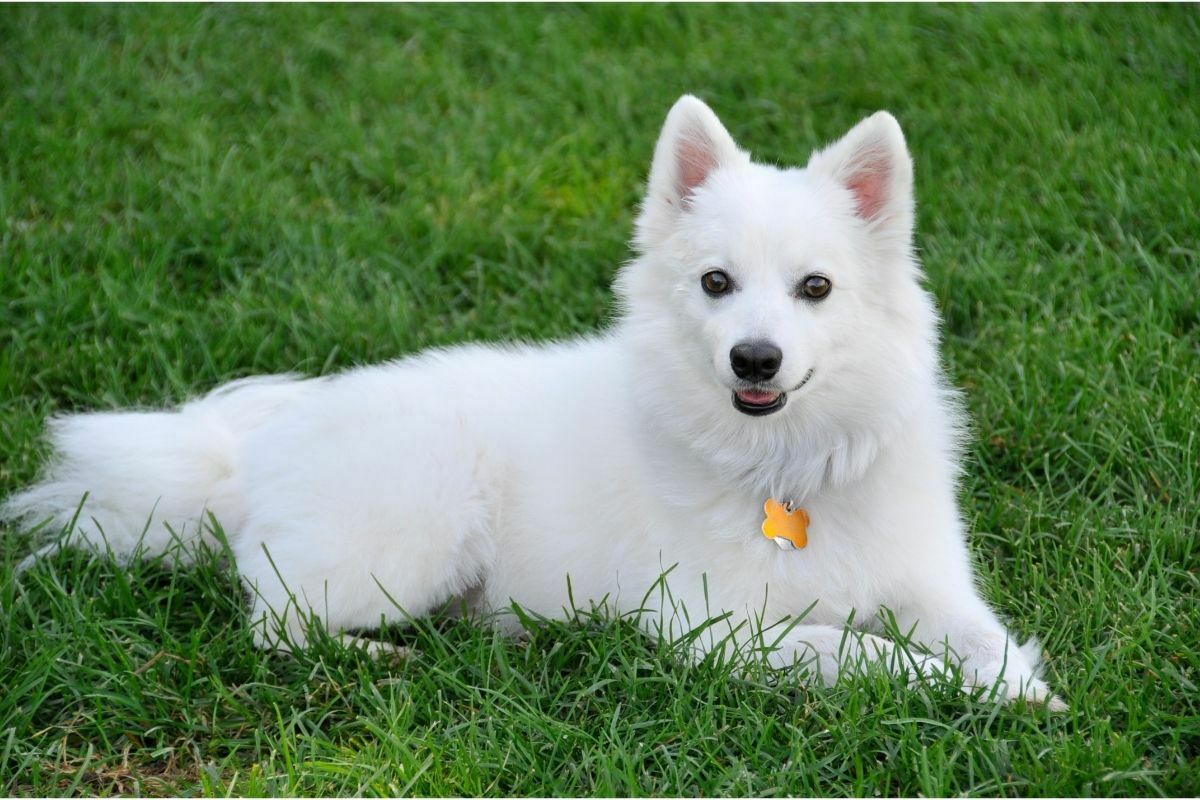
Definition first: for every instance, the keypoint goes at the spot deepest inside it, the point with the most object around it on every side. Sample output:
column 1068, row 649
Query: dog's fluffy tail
column 149, row 477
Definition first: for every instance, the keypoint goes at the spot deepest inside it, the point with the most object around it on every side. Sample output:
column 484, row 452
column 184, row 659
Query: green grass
column 193, row 194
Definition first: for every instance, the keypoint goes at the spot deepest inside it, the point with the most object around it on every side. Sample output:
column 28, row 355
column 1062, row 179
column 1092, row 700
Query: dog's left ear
column 692, row 146
column 873, row 164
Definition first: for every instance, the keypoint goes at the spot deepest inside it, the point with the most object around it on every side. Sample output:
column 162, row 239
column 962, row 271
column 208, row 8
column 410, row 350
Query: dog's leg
column 961, row 626
column 827, row 653
column 352, row 535
column 920, row 546
column 347, row 588
column 823, row 652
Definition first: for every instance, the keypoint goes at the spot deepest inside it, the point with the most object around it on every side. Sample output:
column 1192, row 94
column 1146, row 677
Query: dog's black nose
column 755, row 361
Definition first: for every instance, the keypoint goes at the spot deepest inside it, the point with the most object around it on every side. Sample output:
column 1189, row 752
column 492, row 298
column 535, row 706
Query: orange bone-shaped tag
column 785, row 527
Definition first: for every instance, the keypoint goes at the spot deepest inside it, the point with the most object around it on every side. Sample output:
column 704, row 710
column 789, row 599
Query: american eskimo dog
column 764, row 433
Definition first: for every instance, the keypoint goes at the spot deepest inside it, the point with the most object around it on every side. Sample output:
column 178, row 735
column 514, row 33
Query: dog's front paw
column 1057, row 704
column 1012, row 673
column 1036, row 691
column 1025, row 687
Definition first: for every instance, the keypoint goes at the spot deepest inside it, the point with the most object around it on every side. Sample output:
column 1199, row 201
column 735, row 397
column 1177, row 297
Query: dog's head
column 769, row 301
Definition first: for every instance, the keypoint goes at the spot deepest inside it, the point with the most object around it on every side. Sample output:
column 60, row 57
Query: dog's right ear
column 693, row 144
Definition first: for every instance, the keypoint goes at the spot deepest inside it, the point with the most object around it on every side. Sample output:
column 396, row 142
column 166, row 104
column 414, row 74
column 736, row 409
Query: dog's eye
column 716, row 283
column 815, row 287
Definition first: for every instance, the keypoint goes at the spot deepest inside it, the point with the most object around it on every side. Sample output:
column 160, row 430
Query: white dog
column 766, row 424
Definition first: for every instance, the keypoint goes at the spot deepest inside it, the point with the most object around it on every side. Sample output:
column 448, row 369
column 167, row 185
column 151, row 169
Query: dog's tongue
column 756, row 398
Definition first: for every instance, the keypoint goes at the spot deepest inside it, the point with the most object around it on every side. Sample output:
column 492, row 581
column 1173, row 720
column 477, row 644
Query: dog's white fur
column 497, row 473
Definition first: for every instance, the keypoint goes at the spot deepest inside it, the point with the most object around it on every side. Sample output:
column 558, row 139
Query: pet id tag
column 786, row 527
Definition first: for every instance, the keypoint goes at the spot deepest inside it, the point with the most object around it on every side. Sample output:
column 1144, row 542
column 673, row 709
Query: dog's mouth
column 759, row 401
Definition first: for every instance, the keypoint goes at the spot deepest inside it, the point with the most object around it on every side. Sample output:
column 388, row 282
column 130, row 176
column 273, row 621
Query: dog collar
column 785, row 526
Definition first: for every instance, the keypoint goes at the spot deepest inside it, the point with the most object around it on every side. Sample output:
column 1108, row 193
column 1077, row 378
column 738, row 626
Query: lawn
column 194, row 194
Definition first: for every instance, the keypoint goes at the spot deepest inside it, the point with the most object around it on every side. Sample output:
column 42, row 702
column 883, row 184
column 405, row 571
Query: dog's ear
column 873, row 164
column 693, row 144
